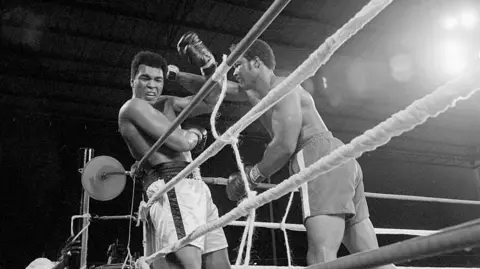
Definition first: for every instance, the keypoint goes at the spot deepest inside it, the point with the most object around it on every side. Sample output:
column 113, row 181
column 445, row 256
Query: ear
column 131, row 83
column 257, row 62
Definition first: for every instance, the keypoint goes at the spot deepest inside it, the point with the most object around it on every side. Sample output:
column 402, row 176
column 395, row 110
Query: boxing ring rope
column 301, row 228
column 223, row 181
column 384, row 231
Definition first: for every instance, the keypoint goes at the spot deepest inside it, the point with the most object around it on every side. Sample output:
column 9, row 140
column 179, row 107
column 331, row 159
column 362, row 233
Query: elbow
column 288, row 149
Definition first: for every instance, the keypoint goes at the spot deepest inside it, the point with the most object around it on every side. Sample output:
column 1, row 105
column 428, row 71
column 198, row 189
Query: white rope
column 233, row 141
column 421, row 198
column 223, row 181
column 301, row 228
column 307, row 69
column 251, row 226
column 284, row 230
column 129, row 256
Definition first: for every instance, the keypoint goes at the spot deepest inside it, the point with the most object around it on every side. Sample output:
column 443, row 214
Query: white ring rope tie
column 233, row 141
column 305, row 70
column 284, row 230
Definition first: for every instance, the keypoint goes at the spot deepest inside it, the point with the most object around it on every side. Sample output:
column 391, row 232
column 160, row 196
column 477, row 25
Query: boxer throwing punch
column 334, row 205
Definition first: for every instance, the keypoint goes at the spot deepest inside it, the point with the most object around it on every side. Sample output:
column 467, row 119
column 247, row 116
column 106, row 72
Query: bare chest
column 165, row 107
column 266, row 118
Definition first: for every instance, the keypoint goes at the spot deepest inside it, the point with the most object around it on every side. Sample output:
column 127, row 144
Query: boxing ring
column 104, row 178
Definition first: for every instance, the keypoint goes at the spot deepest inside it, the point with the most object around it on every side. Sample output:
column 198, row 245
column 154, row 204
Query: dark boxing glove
column 202, row 137
column 236, row 189
column 197, row 53
column 172, row 72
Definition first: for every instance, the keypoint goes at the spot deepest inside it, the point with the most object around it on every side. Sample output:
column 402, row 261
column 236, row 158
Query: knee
column 184, row 261
column 318, row 253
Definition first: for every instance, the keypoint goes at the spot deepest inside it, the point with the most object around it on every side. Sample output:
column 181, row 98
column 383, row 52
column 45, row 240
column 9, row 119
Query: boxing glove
column 236, row 189
column 172, row 72
column 197, row 53
column 202, row 137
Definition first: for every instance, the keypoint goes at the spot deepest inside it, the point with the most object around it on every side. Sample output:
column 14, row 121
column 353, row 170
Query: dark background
column 65, row 74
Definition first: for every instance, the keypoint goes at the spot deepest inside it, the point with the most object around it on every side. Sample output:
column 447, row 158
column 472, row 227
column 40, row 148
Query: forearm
column 193, row 83
column 275, row 157
column 61, row 265
column 181, row 140
column 190, row 82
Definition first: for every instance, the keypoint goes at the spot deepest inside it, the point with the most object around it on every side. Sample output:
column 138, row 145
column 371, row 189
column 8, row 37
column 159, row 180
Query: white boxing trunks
column 183, row 209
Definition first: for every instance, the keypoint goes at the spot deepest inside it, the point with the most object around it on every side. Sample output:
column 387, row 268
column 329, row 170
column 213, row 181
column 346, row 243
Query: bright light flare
column 468, row 19
column 453, row 57
column 449, row 22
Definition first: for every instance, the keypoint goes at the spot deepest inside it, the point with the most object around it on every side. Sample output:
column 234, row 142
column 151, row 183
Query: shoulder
column 281, row 79
column 292, row 97
column 132, row 106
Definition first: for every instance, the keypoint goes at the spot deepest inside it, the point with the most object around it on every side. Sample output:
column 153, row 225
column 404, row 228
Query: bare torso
column 312, row 122
column 139, row 142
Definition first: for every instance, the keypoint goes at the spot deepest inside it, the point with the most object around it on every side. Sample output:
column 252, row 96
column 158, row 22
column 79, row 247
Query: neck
column 265, row 83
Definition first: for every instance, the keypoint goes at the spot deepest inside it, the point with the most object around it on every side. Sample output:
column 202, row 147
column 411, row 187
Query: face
column 245, row 72
column 148, row 83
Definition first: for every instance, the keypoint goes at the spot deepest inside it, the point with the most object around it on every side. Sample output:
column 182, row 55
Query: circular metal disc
column 103, row 178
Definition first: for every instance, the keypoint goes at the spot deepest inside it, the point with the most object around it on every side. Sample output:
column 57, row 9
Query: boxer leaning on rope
column 334, row 205
column 142, row 120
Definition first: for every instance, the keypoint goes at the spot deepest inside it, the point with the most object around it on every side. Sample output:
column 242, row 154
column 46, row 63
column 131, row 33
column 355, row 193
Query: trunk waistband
column 165, row 171
column 312, row 138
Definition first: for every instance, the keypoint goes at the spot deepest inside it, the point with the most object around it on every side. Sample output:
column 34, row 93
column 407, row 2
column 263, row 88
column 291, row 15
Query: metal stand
column 86, row 154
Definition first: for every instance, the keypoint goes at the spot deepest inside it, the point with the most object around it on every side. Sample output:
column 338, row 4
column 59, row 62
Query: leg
column 361, row 237
column 326, row 200
column 216, row 252
column 188, row 257
column 324, row 233
column 216, row 259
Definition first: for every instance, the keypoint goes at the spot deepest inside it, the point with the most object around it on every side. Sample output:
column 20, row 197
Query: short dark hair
column 148, row 58
column 262, row 50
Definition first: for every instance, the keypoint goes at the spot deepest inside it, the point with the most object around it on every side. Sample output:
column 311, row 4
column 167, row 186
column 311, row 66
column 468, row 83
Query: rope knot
column 142, row 212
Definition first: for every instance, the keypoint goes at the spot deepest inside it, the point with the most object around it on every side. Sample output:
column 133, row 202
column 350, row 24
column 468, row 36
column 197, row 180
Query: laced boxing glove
column 172, row 72
column 236, row 189
column 202, row 137
column 197, row 53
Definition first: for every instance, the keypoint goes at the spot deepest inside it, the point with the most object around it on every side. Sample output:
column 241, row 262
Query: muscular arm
column 286, row 125
column 155, row 124
column 179, row 103
column 193, row 83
